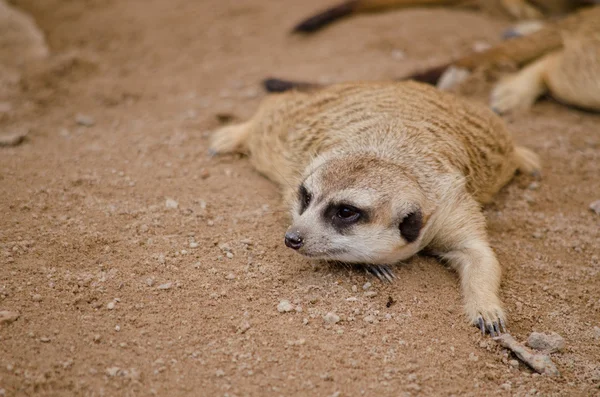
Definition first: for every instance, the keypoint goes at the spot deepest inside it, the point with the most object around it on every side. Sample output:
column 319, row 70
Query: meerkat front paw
column 488, row 317
column 512, row 93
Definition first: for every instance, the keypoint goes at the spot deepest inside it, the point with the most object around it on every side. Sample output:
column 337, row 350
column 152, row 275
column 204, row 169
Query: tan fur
column 562, row 58
column 393, row 149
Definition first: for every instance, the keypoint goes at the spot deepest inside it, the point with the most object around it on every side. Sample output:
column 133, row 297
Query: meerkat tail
column 279, row 85
column 349, row 7
column 230, row 139
column 527, row 161
column 326, row 17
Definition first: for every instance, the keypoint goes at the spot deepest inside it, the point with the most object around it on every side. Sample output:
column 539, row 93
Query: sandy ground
column 139, row 266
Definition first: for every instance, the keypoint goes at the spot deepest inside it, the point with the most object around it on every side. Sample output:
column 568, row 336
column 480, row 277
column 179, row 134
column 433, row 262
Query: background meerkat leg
column 466, row 248
column 574, row 77
column 520, row 90
column 229, row 139
column 520, row 9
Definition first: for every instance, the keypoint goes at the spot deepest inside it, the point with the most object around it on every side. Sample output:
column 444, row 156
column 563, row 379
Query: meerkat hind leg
column 229, row 139
column 520, row 90
column 467, row 250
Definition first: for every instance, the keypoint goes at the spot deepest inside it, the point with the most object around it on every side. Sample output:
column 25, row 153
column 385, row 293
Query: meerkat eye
column 410, row 226
column 305, row 198
column 348, row 213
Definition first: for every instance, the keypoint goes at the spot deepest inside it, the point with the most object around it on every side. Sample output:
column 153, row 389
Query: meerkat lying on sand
column 377, row 172
column 517, row 9
column 561, row 58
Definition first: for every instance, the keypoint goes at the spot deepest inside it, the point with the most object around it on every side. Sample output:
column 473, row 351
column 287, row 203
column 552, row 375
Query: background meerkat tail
column 528, row 162
column 349, row 7
column 279, row 85
column 325, row 17
column 230, row 139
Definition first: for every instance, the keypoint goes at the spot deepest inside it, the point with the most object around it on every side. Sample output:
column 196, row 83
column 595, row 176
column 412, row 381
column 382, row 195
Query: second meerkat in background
column 560, row 58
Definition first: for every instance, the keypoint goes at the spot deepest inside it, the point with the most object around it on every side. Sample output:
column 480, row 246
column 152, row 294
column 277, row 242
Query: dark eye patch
column 305, row 197
column 410, row 226
column 342, row 216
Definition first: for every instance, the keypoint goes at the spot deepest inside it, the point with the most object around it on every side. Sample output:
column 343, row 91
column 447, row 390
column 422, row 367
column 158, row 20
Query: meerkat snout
column 293, row 239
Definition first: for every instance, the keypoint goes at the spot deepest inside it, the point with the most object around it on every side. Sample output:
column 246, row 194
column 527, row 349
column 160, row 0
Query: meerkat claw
column 481, row 325
column 387, row 272
column 491, row 330
column 383, row 273
column 503, row 326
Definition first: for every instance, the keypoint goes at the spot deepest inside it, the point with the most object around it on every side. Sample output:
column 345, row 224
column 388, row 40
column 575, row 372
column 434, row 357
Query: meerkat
column 559, row 58
column 516, row 9
column 375, row 172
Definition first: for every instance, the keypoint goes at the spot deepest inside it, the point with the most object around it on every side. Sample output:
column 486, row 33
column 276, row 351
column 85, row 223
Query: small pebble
column 111, row 305
column 112, row 371
column 117, row 328
column 595, row 206
column 366, row 286
column 165, row 286
column 533, row 186
column 245, row 326
column 285, row 306
column 193, row 244
column 230, row 276
column 473, row 357
column 97, row 338
column 506, row 386
column 13, row 139
column 37, row 298
column 229, row 255
column 220, row 373
column 171, row 204
column 369, row 319
column 44, row 339
column 514, row 363
column 548, row 343
column 84, row 120
column 480, row 46
column 398, row 55
column 331, row 318
column 370, row 294
column 149, row 281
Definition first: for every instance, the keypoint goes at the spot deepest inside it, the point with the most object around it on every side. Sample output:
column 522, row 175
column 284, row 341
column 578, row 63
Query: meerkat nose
column 294, row 240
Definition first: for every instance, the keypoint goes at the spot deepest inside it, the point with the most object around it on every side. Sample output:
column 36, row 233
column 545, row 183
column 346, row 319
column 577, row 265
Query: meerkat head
column 357, row 209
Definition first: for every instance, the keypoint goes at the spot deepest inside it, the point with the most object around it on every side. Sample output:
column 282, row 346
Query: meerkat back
column 291, row 128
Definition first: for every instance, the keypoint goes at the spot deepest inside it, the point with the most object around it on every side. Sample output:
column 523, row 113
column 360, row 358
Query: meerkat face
column 357, row 210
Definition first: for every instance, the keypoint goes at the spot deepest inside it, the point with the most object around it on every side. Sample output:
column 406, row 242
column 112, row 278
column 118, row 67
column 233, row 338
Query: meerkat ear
column 410, row 227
